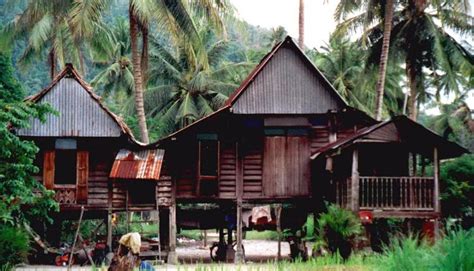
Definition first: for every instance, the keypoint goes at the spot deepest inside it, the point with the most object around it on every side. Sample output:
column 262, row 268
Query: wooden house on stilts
column 284, row 136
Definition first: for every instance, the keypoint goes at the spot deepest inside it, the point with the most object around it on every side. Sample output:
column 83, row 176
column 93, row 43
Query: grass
column 357, row 262
column 191, row 234
column 261, row 235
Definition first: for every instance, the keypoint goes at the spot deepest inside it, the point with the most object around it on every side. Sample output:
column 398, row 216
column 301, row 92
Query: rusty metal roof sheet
column 143, row 164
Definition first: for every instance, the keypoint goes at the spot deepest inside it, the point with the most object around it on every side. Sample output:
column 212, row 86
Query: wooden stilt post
column 355, row 181
column 436, row 200
column 239, row 255
column 109, row 229
column 172, row 256
column 278, row 225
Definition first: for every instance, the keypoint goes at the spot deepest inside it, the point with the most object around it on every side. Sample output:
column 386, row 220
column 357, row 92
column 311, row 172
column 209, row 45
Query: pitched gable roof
column 81, row 111
column 233, row 98
column 285, row 82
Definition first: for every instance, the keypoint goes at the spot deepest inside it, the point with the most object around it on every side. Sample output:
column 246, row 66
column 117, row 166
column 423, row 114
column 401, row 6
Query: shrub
column 338, row 227
column 14, row 245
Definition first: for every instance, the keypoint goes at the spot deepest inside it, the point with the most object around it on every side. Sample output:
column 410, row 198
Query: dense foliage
column 21, row 195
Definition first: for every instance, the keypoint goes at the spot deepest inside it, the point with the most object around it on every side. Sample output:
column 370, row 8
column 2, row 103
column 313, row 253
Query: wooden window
column 208, row 157
column 65, row 167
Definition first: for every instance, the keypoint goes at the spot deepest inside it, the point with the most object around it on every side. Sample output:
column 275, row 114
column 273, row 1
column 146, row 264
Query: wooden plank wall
column 286, row 166
column 227, row 170
column 186, row 169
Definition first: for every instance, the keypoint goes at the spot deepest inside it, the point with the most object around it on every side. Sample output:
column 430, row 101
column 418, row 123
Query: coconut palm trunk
column 301, row 25
column 412, row 82
column 137, row 76
column 144, row 58
column 52, row 63
column 387, row 30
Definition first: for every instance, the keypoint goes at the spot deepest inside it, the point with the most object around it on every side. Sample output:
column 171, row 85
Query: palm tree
column 419, row 37
column 344, row 63
column 186, row 89
column 371, row 11
column 177, row 18
column 56, row 26
column 111, row 52
column 278, row 34
column 454, row 122
column 301, row 25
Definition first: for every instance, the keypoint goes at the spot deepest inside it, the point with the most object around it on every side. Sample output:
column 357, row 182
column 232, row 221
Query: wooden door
column 82, row 176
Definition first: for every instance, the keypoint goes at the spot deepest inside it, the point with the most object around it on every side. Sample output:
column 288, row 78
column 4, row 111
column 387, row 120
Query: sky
column 319, row 20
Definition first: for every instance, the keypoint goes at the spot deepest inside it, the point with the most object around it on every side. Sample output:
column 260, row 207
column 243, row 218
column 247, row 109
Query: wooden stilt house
column 284, row 136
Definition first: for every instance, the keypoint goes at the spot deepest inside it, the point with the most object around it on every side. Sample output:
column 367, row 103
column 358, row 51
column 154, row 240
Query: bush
column 14, row 245
column 407, row 254
column 338, row 228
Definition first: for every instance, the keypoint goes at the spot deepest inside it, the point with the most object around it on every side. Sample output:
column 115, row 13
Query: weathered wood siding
column 79, row 115
column 319, row 136
column 286, row 166
column 253, row 170
column 228, row 170
column 287, row 85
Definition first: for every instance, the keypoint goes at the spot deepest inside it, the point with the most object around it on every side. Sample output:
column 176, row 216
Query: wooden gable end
column 79, row 114
column 287, row 83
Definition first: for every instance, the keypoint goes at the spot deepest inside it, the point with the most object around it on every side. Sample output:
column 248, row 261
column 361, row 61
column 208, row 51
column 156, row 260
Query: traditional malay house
column 284, row 136
column 89, row 157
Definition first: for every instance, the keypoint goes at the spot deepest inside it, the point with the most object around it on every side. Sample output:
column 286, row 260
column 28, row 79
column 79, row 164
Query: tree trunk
column 301, row 25
column 387, row 30
column 52, row 63
column 411, row 75
column 144, row 59
column 137, row 77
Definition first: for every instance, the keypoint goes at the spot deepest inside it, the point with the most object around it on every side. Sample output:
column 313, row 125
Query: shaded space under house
column 284, row 136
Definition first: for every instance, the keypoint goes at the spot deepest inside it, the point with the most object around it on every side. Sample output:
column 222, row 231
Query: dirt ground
column 192, row 253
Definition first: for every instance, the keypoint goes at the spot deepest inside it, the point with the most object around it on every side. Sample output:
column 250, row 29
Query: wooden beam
column 278, row 226
column 172, row 256
column 355, row 181
column 436, row 203
column 239, row 254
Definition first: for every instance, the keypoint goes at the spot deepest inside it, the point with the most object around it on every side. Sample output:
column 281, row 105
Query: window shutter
column 48, row 169
column 82, row 176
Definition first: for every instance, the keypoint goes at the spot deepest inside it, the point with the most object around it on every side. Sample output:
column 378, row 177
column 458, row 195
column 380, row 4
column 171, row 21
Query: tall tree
column 177, row 18
column 387, row 31
column 56, row 26
column 137, row 75
column 186, row 89
column 419, row 38
column 301, row 25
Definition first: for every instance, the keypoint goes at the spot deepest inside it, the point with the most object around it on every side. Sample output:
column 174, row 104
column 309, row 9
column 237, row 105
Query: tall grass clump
column 455, row 251
column 408, row 253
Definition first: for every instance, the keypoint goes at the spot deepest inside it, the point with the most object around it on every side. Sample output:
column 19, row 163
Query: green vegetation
column 338, row 228
column 14, row 245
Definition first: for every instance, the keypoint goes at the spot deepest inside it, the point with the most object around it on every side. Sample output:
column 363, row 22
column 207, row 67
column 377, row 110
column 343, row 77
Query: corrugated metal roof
column 407, row 130
column 144, row 164
column 82, row 114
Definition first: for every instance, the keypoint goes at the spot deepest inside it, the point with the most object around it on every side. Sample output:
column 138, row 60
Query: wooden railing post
column 355, row 181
